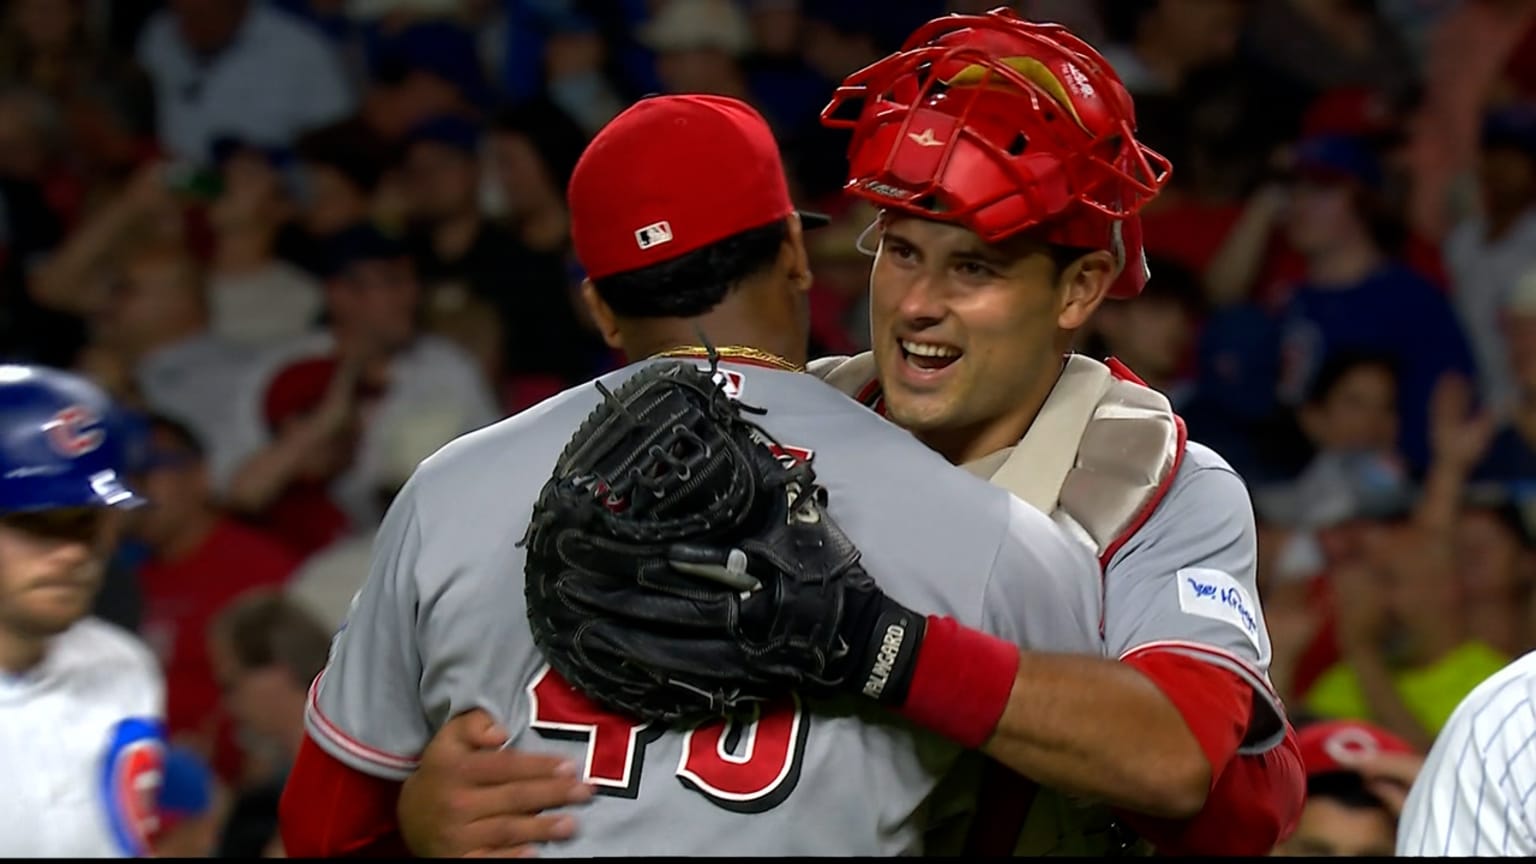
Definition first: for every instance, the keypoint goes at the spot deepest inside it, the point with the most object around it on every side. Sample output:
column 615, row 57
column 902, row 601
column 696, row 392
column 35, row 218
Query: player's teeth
column 923, row 349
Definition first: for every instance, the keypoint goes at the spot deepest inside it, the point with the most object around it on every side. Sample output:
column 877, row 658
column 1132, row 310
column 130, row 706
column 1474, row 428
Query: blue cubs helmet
column 61, row 442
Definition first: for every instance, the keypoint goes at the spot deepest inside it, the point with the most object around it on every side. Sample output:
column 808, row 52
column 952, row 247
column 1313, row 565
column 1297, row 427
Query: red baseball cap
column 1339, row 745
column 1348, row 111
column 672, row 174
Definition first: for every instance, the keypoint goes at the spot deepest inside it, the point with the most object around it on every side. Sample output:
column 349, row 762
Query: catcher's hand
column 678, row 569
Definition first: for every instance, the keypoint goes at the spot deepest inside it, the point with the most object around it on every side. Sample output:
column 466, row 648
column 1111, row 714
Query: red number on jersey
column 615, row 745
column 745, row 767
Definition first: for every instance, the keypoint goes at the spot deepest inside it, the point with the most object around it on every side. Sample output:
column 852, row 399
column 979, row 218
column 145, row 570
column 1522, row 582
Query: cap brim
column 810, row 219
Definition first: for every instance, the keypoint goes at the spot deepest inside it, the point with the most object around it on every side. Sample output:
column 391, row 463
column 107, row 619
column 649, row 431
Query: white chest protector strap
column 1099, row 453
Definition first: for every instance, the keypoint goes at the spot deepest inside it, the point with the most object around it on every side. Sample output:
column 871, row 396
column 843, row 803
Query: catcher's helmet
column 60, row 442
column 1003, row 125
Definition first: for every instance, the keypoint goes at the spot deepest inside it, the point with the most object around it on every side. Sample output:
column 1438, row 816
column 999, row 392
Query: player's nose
column 919, row 303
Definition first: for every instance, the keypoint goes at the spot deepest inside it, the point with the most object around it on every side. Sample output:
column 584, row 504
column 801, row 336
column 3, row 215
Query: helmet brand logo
column 925, row 138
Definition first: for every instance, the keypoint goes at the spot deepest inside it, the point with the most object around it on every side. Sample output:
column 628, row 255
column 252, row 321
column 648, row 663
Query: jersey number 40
column 745, row 767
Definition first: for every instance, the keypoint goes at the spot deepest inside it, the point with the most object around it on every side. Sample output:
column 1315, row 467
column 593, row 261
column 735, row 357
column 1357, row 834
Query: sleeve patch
column 1214, row 594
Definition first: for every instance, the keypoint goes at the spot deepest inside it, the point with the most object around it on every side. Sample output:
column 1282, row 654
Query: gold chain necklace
column 733, row 352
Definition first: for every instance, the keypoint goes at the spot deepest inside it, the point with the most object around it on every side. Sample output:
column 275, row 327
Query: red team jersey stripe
column 352, row 746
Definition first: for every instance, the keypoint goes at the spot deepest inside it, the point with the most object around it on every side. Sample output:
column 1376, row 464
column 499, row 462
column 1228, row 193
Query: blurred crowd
column 310, row 241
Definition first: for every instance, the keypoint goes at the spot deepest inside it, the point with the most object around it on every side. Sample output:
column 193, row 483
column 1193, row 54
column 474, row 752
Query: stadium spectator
column 265, row 651
column 372, row 303
column 199, row 559
column 1358, row 776
column 240, row 68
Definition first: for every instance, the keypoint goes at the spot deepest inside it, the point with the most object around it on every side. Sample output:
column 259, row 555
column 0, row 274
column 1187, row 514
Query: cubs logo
column 74, row 431
column 132, row 771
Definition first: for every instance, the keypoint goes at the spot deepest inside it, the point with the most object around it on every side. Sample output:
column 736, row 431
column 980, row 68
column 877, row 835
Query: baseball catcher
column 682, row 566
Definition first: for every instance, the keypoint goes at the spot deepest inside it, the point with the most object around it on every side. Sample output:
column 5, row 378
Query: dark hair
column 556, row 138
column 1345, row 787
column 179, row 432
column 263, row 628
column 1339, row 364
column 1063, row 257
column 692, row 284
column 351, row 150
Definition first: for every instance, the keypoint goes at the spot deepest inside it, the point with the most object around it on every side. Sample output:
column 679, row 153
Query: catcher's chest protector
column 1099, row 457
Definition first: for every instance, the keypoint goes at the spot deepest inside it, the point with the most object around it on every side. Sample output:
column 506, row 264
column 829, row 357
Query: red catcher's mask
column 1003, row 125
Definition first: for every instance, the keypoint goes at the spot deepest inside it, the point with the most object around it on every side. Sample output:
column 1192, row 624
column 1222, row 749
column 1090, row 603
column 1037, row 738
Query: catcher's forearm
column 1101, row 728
column 1087, row 725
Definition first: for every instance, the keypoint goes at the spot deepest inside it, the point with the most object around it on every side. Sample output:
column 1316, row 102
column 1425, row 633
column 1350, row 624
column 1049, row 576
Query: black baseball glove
column 678, row 569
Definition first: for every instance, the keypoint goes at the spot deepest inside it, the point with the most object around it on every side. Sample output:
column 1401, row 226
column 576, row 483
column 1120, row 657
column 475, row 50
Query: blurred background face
column 258, row 699
column 442, row 181
column 1198, row 32
column 776, row 27
column 24, row 143
column 208, row 25
column 1151, row 335
column 1320, row 216
column 1358, row 413
column 702, row 70
column 253, row 194
column 154, row 294
column 175, row 484
column 51, row 566
column 1333, row 828
column 332, row 202
column 1491, row 564
column 1417, row 577
column 959, row 329
column 1488, row 553
column 376, row 301
column 1506, row 179
column 46, row 24
column 520, row 173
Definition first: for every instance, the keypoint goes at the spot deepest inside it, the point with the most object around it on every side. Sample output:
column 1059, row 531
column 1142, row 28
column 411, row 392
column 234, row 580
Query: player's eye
column 900, row 251
column 974, row 270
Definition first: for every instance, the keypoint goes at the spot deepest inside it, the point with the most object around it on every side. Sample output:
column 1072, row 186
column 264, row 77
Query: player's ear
column 798, row 258
column 1082, row 286
column 602, row 315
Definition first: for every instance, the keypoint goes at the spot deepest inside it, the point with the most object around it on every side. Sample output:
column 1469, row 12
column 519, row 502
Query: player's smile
column 926, row 362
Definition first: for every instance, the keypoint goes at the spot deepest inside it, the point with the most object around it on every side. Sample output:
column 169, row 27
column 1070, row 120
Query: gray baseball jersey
column 1183, row 582
column 439, row 628
column 1186, row 581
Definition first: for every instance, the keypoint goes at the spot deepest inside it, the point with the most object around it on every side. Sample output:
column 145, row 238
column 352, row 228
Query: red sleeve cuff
column 961, row 682
column 1255, row 799
column 1216, row 704
column 329, row 810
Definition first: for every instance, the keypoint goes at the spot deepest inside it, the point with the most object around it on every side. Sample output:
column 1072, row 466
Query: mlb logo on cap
column 654, row 234
column 688, row 169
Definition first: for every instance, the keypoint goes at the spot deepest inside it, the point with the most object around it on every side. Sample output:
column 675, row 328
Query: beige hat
column 1521, row 299
column 414, row 437
column 684, row 25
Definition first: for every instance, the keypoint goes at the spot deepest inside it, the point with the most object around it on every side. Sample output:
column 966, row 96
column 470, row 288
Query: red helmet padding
column 1003, row 125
